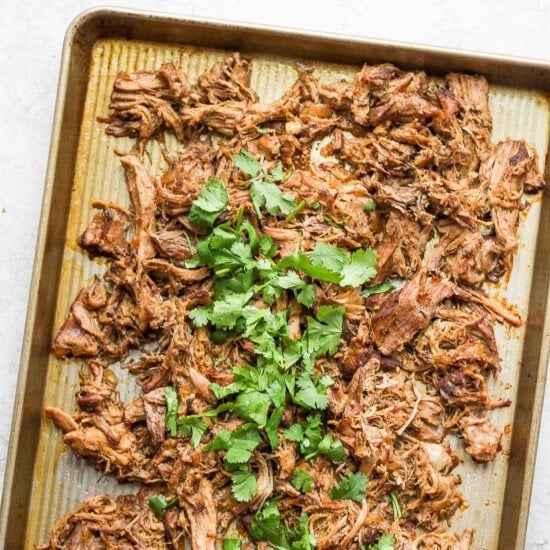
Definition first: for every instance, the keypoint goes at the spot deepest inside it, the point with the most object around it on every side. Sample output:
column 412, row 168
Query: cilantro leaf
column 397, row 513
column 266, row 193
column 385, row 542
column 253, row 406
column 239, row 444
column 303, row 263
column 192, row 426
column 245, row 162
column 200, row 316
column 171, row 397
column 302, row 538
column 360, row 268
column 245, row 484
column 159, row 504
column 223, row 391
column 271, row 426
column 310, row 395
column 211, row 202
column 353, row 487
column 386, row 286
column 302, row 481
column 290, row 279
column 232, row 544
column 277, row 172
column 294, row 433
column 306, row 296
column 329, row 256
column 267, row 246
column 226, row 311
column 267, row 525
column 221, row 441
column 312, row 436
column 332, row 448
column 322, row 336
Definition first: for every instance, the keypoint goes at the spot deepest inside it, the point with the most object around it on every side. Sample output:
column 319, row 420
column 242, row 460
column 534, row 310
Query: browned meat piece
column 143, row 194
column 285, row 238
column 73, row 340
column 404, row 312
column 472, row 93
column 155, row 417
column 403, row 108
column 227, row 80
column 402, row 247
column 466, row 256
column 201, row 384
column 176, row 277
column 102, row 522
column 167, row 81
column 80, row 334
column 142, row 103
column 182, row 183
column 339, row 95
column 381, row 154
column 178, row 86
column 196, row 498
column 62, row 420
column 106, row 235
column 171, row 244
column 464, row 386
column 459, row 336
column 501, row 310
column 504, row 173
column 224, row 117
column 481, row 438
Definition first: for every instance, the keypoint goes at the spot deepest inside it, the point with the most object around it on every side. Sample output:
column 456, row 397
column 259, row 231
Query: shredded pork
column 406, row 161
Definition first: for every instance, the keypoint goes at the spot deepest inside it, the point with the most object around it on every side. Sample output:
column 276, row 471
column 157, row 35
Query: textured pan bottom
column 60, row 480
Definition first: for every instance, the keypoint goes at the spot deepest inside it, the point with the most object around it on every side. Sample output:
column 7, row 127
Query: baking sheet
column 62, row 481
column 43, row 480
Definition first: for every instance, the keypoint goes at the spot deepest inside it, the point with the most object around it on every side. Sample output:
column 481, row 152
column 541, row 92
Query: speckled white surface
column 31, row 36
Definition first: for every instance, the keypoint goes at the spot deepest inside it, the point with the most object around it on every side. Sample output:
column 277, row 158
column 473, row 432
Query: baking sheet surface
column 60, row 480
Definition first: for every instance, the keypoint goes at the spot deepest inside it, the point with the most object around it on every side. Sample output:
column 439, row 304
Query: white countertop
column 31, row 37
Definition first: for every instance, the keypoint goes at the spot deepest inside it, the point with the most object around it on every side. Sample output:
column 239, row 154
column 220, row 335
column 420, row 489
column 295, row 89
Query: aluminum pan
column 20, row 499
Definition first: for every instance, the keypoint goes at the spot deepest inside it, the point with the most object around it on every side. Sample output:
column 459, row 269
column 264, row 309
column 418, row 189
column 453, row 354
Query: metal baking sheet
column 83, row 167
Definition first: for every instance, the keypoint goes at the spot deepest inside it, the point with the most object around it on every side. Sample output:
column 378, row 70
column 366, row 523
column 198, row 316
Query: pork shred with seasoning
column 310, row 330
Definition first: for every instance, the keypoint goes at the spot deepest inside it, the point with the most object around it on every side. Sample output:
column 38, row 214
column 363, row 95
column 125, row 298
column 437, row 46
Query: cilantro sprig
column 268, row 526
column 212, row 201
column 313, row 442
column 159, row 504
column 264, row 192
column 283, row 369
column 302, row 481
column 353, row 487
column 333, row 265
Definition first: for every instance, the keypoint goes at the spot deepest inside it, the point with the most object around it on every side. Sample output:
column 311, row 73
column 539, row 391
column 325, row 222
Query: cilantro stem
column 258, row 213
column 397, row 513
column 189, row 243
column 295, row 212
column 239, row 217
column 222, row 272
